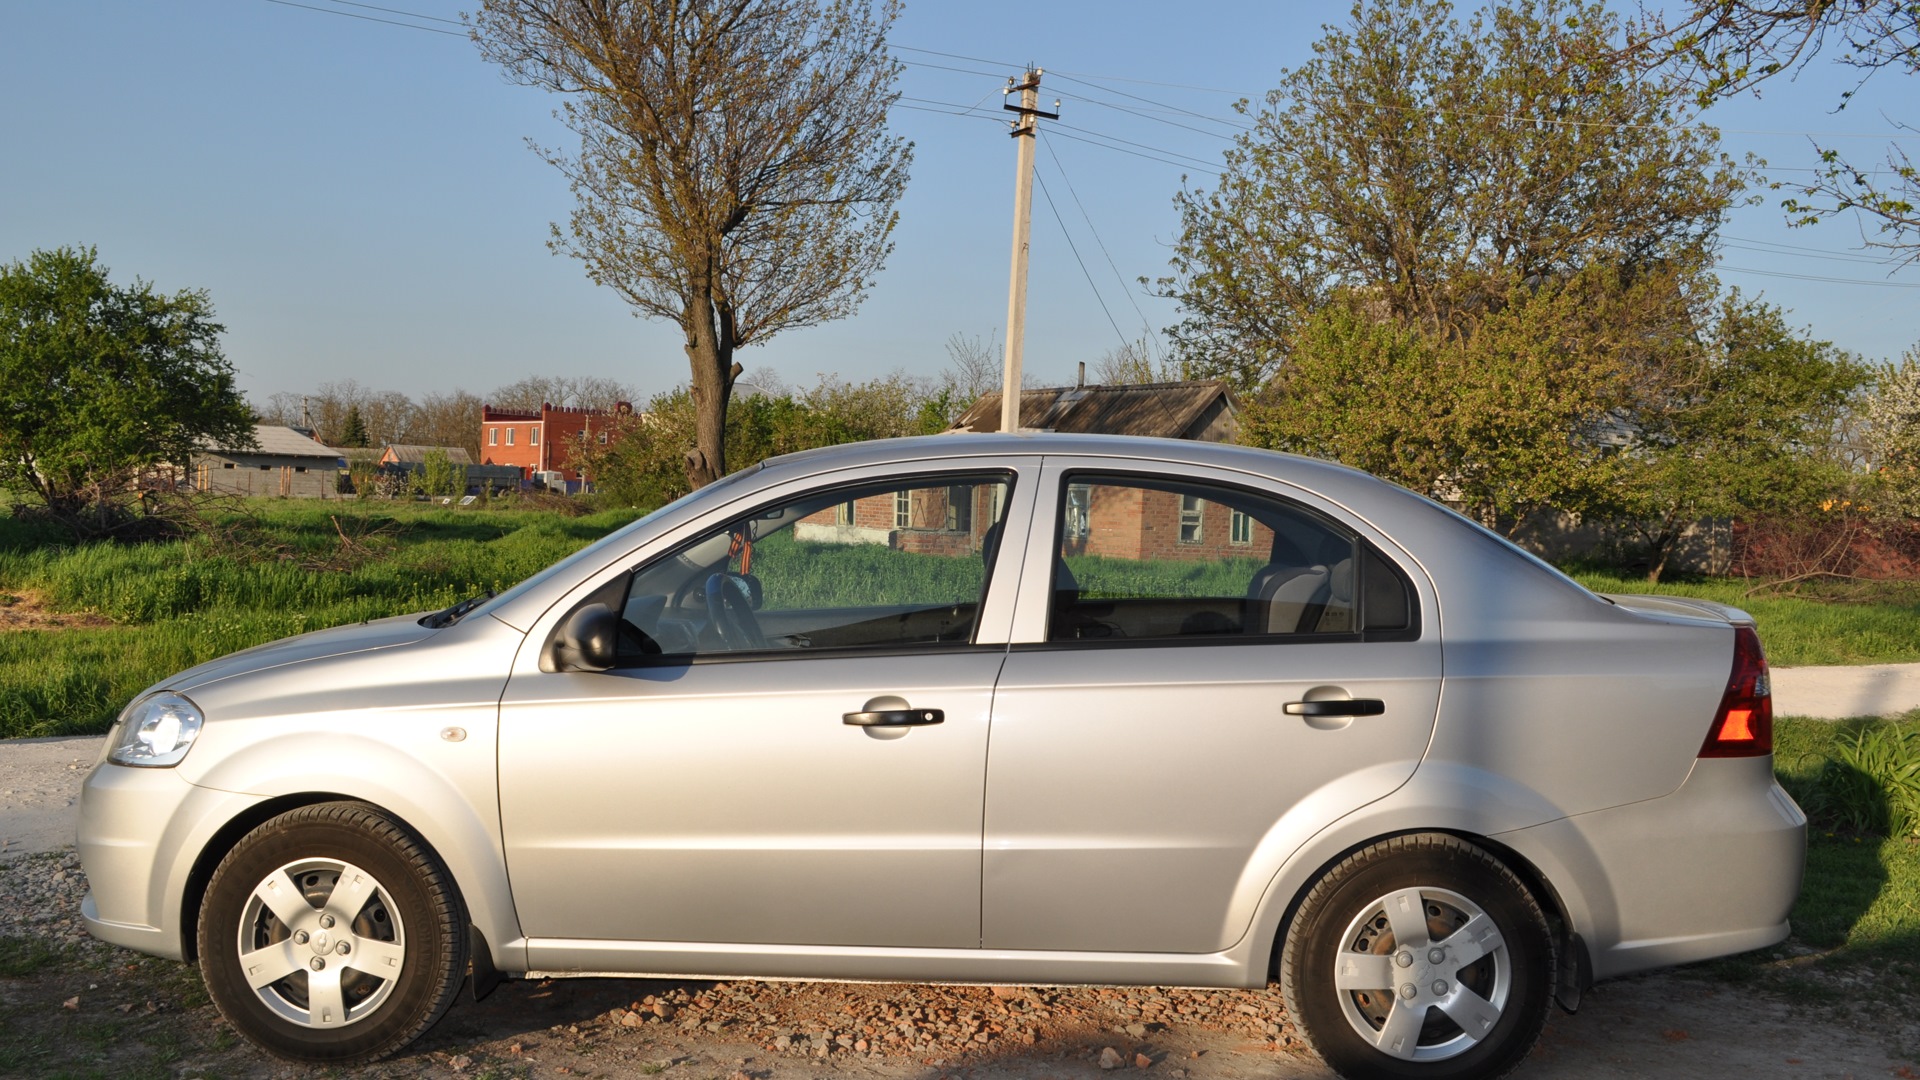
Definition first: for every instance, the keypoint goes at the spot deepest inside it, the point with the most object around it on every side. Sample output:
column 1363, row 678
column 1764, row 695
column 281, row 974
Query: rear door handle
column 1335, row 707
column 895, row 718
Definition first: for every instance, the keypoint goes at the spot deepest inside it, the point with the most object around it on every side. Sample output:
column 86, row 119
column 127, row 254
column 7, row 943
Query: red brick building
column 931, row 521
column 543, row 442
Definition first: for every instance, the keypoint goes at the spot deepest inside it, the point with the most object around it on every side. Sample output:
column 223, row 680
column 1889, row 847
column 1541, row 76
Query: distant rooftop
column 279, row 441
column 1170, row 410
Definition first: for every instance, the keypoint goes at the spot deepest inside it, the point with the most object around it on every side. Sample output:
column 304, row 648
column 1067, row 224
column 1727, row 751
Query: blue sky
column 360, row 201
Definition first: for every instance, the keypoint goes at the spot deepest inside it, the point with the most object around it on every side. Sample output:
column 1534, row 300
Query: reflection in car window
column 1150, row 558
column 880, row 566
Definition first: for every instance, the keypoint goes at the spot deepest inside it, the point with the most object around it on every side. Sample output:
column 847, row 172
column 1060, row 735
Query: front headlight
column 156, row 731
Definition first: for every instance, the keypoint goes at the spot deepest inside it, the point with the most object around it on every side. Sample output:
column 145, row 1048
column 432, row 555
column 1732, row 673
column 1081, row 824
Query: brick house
column 285, row 461
column 542, row 442
column 931, row 521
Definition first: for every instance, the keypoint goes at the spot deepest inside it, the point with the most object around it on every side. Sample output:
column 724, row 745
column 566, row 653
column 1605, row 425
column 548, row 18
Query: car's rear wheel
column 331, row 935
column 1420, row 956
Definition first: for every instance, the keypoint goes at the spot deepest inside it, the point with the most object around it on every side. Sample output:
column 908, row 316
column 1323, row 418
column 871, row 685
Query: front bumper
column 140, row 832
column 1709, row 870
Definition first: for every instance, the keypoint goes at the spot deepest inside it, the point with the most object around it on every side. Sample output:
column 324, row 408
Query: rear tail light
column 1744, row 725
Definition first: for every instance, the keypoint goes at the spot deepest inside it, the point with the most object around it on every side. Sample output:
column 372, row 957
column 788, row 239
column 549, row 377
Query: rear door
column 1197, row 654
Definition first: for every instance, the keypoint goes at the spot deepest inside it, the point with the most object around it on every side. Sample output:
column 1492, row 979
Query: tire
column 1470, row 996
column 360, row 976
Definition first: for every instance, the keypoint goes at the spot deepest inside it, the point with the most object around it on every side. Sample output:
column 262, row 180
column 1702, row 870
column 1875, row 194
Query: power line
column 1157, row 119
column 397, row 11
column 1128, row 142
column 1055, row 131
column 1831, row 257
column 1062, row 168
column 1137, row 97
column 370, row 18
column 1816, row 277
column 1071, row 246
column 1786, row 246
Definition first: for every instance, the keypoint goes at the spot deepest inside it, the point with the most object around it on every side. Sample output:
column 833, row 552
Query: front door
column 760, row 768
column 1144, row 754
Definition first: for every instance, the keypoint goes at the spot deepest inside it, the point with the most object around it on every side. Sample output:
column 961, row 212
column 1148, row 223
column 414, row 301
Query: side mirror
column 586, row 641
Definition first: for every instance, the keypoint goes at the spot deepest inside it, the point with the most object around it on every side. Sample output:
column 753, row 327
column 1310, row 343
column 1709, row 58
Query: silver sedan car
column 1035, row 709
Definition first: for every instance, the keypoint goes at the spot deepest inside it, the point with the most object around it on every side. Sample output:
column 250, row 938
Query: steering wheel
column 732, row 612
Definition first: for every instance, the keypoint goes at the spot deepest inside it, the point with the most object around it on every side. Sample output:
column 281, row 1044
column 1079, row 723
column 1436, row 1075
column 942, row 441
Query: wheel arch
column 1537, row 883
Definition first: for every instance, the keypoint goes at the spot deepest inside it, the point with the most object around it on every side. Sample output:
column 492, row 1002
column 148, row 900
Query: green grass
column 185, row 602
column 1861, row 894
column 1877, row 626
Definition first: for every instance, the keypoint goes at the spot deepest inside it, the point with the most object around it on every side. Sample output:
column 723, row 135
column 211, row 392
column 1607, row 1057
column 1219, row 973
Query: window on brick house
column 533, row 436
column 509, row 436
column 960, row 509
column 1240, row 529
column 903, row 509
column 1190, row 519
column 493, row 436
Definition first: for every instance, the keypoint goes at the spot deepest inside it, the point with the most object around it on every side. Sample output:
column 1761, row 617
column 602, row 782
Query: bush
column 1871, row 784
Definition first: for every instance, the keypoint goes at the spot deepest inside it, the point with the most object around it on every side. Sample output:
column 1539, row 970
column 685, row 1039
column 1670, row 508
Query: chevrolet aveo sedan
column 1035, row 709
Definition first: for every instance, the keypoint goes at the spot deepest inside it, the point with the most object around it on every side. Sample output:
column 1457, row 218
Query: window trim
column 1093, row 477
column 849, row 492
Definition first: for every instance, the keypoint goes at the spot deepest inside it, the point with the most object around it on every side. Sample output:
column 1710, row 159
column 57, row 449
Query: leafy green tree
column 1505, row 421
column 100, row 383
column 1429, row 167
column 354, row 432
column 733, row 174
column 439, row 476
column 1743, row 423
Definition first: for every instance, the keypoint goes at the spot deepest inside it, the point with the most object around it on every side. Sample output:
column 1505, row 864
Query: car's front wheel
column 331, row 935
column 1420, row 956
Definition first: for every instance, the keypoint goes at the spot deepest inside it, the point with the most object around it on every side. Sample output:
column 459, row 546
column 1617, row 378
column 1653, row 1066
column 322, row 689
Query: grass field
column 1876, row 626
column 184, row 602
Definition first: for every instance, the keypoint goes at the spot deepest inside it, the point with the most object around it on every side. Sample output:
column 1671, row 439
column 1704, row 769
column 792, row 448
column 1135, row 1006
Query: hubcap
column 321, row 943
column 1422, row 974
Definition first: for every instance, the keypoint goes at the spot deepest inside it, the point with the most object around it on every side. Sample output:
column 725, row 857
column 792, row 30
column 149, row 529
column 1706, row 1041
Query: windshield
column 591, row 555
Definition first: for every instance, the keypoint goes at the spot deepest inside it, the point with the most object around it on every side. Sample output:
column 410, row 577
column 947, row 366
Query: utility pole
column 1023, row 134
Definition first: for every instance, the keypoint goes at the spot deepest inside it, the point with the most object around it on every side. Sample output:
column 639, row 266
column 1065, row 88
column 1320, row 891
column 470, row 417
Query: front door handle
column 1337, row 707
column 895, row 718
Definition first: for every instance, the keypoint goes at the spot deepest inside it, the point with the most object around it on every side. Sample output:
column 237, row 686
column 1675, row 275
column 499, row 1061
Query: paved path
column 1834, row 693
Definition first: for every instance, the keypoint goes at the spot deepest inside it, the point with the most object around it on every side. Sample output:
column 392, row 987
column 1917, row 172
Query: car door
column 1197, row 656
column 792, row 747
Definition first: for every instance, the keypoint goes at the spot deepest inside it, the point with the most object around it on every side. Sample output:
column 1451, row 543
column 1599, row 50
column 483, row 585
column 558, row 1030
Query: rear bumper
column 1709, row 870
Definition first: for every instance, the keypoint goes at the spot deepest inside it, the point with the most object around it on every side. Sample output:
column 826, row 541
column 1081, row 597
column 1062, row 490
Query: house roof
column 278, row 441
column 1164, row 410
column 413, row 454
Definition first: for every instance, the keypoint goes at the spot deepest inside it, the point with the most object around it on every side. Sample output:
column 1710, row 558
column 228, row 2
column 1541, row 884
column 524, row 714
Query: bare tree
column 733, row 173
column 449, row 419
column 973, row 367
column 1732, row 46
column 1133, row 364
column 580, row 392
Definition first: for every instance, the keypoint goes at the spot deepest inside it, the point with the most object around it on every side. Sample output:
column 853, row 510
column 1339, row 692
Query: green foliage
column 1396, row 168
column 21, row 957
column 439, row 476
column 1502, row 418
column 643, row 462
column 1102, row 578
column 1872, row 783
column 816, row 575
column 99, row 382
column 1745, row 423
column 354, row 431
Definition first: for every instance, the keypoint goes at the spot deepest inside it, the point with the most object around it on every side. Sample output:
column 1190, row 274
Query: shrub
column 1871, row 784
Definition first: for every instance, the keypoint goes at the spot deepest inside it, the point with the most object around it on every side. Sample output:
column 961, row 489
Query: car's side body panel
column 1561, row 726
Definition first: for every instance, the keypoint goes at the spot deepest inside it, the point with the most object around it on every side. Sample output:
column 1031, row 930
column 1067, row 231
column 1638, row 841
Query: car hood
column 352, row 638
column 1684, row 606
